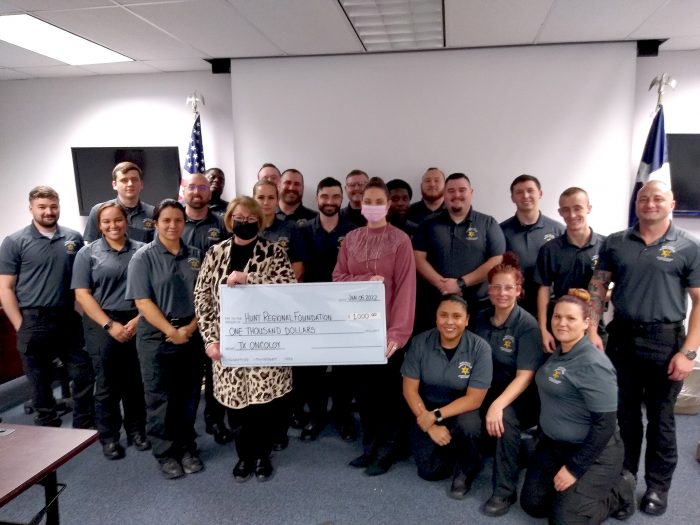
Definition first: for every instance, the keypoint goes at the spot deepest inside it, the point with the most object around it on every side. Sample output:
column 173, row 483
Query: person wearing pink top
column 381, row 252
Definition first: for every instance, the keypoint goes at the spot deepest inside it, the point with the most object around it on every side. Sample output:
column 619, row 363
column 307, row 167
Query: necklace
column 368, row 256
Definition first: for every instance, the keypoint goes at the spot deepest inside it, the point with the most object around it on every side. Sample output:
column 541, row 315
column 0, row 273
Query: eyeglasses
column 240, row 218
column 502, row 287
column 200, row 187
column 356, row 184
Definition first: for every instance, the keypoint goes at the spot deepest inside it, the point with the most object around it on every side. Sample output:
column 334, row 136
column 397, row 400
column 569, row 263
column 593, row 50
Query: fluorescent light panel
column 383, row 25
column 48, row 40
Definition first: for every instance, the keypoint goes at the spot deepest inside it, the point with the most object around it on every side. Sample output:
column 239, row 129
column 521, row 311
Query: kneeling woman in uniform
column 255, row 395
column 161, row 280
column 446, row 374
column 575, row 474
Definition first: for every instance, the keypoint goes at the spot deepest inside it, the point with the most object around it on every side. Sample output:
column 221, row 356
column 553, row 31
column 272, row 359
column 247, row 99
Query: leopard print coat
column 238, row 387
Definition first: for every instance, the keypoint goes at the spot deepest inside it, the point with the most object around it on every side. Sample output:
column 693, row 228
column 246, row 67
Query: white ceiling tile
column 301, row 28
column 11, row 74
column 595, row 20
column 15, row 56
column 120, row 68
column 493, row 22
column 7, row 8
column 121, row 31
column 681, row 43
column 675, row 18
column 56, row 71
column 211, row 26
column 51, row 5
column 185, row 64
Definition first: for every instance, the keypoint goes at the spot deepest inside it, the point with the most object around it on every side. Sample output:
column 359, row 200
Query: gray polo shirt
column 140, row 219
column 515, row 345
column 284, row 233
column 205, row 233
column 168, row 280
column 102, row 270
column 651, row 281
column 571, row 386
column 443, row 381
column 42, row 266
column 563, row 265
column 457, row 249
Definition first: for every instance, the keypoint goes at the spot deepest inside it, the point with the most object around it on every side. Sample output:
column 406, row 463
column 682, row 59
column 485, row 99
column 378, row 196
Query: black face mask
column 245, row 230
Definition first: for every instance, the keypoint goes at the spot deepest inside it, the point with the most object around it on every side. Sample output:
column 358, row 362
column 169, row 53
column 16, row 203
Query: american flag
column 195, row 151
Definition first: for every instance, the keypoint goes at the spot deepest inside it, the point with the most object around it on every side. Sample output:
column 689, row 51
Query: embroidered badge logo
column 666, row 253
column 71, row 247
column 472, row 234
column 194, row 263
column 214, row 234
column 301, row 221
column 557, row 375
column 594, row 261
column 508, row 344
column 465, row 369
column 149, row 224
column 548, row 237
column 283, row 242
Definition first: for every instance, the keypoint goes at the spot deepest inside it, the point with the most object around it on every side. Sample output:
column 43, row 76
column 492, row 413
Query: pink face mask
column 373, row 213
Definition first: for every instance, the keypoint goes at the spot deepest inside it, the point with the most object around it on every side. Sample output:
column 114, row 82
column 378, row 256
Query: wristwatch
column 462, row 285
column 108, row 324
column 438, row 415
column 690, row 354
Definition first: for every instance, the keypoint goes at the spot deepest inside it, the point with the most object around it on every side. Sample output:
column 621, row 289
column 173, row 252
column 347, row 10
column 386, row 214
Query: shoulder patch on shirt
column 594, row 261
column 666, row 253
column 472, row 234
column 194, row 263
column 465, row 369
column 71, row 247
column 214, row 234
column 508, row 343
column 301, row 221
column 340, row 240
column 149, row 224
column 283, row 242
column 556, row 376
column 548, row 237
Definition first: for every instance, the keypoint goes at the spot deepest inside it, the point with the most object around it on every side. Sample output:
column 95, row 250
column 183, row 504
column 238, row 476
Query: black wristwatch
column 462, row 285
column 438, row 415
column 108, row 324
column 690, row 354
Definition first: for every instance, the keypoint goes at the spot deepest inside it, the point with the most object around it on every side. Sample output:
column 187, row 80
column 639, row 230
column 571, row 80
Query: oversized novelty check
column 303, row 324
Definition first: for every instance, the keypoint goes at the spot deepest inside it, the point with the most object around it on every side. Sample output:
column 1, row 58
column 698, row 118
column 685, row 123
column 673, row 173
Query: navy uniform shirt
column 418, row 212
column 318, row 249
column 571, row 386
column 354, row 215
column 140, row 219
column 102, row 270
column 284, row 233
column 205, row 233
column 651, row 282
column 563, row 265
column 454, row 250
column 166, row 279
column 408, row 227
column 218, row 206
column 526, row 241
column 42, row 266
column 515, row 345
column 299, row 216
column 443, row 381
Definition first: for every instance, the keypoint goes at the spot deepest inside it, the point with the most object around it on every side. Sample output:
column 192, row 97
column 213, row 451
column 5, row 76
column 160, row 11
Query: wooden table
column 31, row 455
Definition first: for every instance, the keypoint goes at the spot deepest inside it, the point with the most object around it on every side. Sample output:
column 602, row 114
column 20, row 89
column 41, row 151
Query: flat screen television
column 93, row 173
column 684, row 160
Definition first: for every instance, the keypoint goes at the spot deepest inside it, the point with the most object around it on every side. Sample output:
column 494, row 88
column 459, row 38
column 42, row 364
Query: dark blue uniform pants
column 257, row 426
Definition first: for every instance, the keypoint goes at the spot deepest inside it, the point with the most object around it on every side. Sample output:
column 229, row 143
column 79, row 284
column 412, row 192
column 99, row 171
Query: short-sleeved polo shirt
column 455, row 249
column 101, row 269
column 205, row 233
column 571, row 386
column 140, row 219
column 419, row 212
column 443, row 381
column 283, row 233
column 651, row 282
column 166, row 279
column 318, row 249
column 299, row 216
column 563, row 265
column 218, row 206
column 42, row 266
column 353, row 215
column 515, row 345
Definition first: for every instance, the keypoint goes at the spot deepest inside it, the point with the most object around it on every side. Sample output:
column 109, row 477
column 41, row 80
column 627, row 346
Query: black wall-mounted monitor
column 93, row 173
column 684, row 160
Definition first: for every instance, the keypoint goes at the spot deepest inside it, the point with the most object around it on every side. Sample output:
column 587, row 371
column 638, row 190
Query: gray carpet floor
column 311, row 485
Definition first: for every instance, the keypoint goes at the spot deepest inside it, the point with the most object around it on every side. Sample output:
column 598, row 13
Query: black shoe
column 379, row 466
column 497, row 506
column 625, row 491
column 654, row 502
column 311, row 431
column 263, row 469
column 139, row 440
column 222, row 435
column 348, row 432
column 55, row 422
column 113, row 450
column 362, row 461
column 280, row 443
column 299, row 421
column 191, row 463
column 171, row 468
column 243, row 470
column 460, row 485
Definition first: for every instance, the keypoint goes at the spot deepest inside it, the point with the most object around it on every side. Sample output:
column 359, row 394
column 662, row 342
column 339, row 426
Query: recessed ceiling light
column 37, row 36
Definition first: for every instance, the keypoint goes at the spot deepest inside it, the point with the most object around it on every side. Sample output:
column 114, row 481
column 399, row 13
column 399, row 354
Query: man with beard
column 527, row 231
column 318, row 245
column 217, row 181
column 355, row 183
column 269, row 171
column 291, row 188
column 432, row 189
column 400, row 195
column 456, row 248
column 36, row 266
column 127, row 181
column 203, row 229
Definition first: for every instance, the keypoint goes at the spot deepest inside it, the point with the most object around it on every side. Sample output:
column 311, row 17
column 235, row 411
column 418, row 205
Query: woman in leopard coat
column 253, row 395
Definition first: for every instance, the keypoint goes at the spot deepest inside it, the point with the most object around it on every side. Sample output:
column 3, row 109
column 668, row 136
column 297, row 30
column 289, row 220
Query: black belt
column 177, row 322
column 647, row 328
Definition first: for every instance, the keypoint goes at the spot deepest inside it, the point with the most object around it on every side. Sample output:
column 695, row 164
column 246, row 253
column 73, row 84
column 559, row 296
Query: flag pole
column 661, row 82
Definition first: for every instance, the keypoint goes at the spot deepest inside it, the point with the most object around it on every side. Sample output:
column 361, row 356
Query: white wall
column 562, row 113
column 42, row 119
